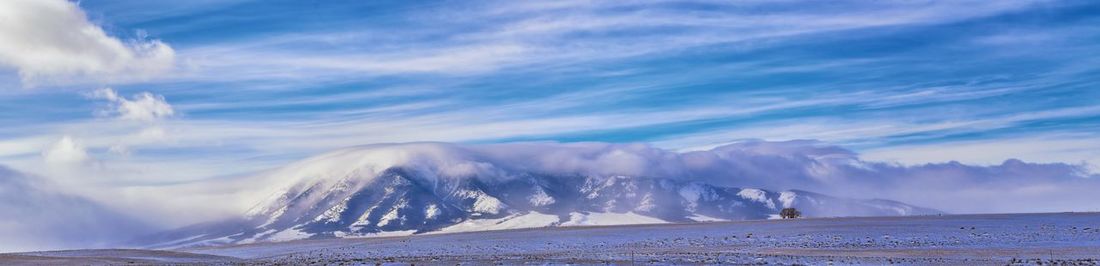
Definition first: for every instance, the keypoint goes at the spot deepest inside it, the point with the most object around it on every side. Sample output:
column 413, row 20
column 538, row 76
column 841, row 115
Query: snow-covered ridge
column 437, row 187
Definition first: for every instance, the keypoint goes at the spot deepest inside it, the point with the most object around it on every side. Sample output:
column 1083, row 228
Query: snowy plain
column 987, row 239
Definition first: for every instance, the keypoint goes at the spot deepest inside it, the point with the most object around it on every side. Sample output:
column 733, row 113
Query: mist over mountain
column 799, row 164
column 397, row 189
column 415, row 188
column 37, row 217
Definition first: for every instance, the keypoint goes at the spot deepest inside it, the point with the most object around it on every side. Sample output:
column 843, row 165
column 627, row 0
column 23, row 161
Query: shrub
column 790, row 213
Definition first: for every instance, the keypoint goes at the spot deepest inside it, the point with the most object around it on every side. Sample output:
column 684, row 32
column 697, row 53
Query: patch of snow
column 695, row 192
column 757, row 196
column 180, row 243
column 899, row 210
column 691, row 193
column 391, row 233
column 432, row 211
column 218, row 241
column 364, row 220
column 278, row 199
column 383, row 234
column 483, row 203
column 515, row 221
column 257, row 237
column 703, row 218
column 594, row 185
column 488, row 204
column 333, row 214
column 342, row 234
column 394, row 214
column 609, row 205
column 786, row 198
column 540, row 198
column 288, row 234
column 274, row 216
column 609, row 218
column 647, row 203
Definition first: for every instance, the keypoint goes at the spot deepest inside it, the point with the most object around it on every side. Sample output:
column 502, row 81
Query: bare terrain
column 993, row 239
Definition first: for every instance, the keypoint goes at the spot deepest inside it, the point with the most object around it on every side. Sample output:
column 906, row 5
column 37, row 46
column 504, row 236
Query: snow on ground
column 274, row 216
column 787, row 198
column 757, row 196
column 432, row 211
column 259, row 236
column 540, row 198
column 380, row 234
column 393, row 214
column 514, row 221
column 704, row 218
column 536, row 220
column 288, row 234
column 995, row 239
column 332, row 215
column 609, row 218
column 1073, row 238
column 483, row 203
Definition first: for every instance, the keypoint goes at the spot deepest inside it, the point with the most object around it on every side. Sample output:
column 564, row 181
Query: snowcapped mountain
column 401, row 189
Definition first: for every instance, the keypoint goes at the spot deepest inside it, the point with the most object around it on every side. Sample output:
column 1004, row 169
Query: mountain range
column 424, row 188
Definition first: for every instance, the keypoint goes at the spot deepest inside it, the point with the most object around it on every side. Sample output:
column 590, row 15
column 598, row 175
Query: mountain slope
column 432, row 187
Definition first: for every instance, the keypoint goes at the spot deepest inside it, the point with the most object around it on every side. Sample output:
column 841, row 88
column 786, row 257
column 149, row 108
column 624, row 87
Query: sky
column 140, row 97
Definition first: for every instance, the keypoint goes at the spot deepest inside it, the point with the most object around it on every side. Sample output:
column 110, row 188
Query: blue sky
column 219, row 88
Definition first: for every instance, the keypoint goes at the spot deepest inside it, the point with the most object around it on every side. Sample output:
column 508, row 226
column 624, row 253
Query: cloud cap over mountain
column 1013, row 186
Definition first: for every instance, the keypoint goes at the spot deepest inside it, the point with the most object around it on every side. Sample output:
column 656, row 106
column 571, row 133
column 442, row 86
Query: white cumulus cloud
column 65, row 151
column 53, row 41
column 143, row 106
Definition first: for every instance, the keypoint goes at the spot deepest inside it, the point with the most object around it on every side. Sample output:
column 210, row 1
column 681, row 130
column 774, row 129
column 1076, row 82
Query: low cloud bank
column 39, row 217
column 1012, row 186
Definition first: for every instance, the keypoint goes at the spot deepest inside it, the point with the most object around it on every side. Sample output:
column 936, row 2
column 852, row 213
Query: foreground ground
column 1068, row 238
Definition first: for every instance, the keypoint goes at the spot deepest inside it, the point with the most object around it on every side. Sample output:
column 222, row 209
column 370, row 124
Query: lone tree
column 789, row 213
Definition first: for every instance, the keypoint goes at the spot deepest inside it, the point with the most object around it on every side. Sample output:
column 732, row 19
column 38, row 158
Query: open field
column 995, row 239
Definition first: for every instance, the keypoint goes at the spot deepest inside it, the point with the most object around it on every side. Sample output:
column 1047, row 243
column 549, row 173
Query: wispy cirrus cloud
column 484, row 37
column 263, row 84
